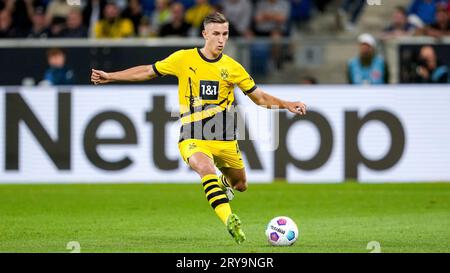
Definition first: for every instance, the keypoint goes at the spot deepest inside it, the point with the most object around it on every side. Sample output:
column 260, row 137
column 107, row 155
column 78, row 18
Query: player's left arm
column 261, row 98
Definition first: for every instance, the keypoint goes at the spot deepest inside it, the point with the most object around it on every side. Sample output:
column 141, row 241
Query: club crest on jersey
column 224, row 74
column 192, row 146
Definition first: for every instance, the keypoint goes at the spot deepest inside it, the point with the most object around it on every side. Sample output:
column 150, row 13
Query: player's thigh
column 197, row 155
column 226, row 154
column 202, row 164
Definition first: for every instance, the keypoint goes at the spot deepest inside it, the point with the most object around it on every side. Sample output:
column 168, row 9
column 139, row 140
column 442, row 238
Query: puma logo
column 193, row 70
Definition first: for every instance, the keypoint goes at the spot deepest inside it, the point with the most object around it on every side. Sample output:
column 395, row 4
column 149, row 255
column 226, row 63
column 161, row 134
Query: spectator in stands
column 147, row 7
column 56, row 16
column 399, row 25
column 429, row 69
column 350, row 11
column 112, row 25
column 442, row 25
column 368, row 67
column 21, row 13
column 218, row 7
column 144, row 28
column 92, row 13
column 177, row 26
column 301, row 12
column 271, row 18
column 425, row 10
column 57, row 10
column 56, row 27
column 6, row 28
column 133, row 11
column 160, row 16
column 39, row 28
column 198, row 12
column 58, row 73
column 74, row 25
column 239, row 14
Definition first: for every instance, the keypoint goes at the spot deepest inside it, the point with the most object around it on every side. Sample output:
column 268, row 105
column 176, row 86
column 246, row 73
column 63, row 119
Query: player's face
column 216, row 37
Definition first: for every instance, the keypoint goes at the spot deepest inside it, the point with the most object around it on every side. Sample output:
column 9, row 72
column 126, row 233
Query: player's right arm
column 169, row 66
column 134, row 74
column 263, row 99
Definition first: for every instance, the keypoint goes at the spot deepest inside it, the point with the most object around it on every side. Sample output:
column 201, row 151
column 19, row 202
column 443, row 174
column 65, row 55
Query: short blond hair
column 216, row 17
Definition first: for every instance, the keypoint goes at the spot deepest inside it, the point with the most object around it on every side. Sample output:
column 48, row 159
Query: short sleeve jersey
column 206, row 92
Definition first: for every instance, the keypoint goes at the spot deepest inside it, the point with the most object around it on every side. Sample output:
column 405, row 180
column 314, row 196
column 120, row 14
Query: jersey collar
column 209, row 60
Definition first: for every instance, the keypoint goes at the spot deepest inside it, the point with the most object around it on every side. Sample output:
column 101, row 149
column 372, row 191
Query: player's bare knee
column 241, row 186
column 204, row 168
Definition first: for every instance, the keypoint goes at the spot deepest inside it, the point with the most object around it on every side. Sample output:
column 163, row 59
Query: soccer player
column 206, row 80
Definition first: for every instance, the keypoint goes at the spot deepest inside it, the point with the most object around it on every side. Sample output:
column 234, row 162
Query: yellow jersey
column 206, row 92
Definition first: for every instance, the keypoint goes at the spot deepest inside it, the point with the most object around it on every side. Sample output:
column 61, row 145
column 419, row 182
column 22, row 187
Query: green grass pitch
column 177, row 217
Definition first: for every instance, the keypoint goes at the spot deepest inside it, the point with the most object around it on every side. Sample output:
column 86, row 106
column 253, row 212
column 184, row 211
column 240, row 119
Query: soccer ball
column 282, row 231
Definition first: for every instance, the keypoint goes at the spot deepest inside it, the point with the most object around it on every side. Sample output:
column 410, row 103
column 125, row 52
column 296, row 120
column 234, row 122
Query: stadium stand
column 314, row 33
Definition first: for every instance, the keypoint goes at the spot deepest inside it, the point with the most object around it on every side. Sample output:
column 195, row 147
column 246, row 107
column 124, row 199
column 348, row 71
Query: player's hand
column 100, row 77
column 297, row 107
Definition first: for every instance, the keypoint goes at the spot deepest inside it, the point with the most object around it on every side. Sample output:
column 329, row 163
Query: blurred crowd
column 146, row 18
column 248, row 18
column 421, row 18
column 162, row 18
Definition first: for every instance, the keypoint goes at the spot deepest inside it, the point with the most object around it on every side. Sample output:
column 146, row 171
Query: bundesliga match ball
column 282, row 231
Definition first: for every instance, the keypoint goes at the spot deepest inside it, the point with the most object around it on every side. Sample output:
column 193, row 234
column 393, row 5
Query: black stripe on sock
column 214, row 194
column 208, row 189
column 218, row 202
column 209, row 181
column 224, row 181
